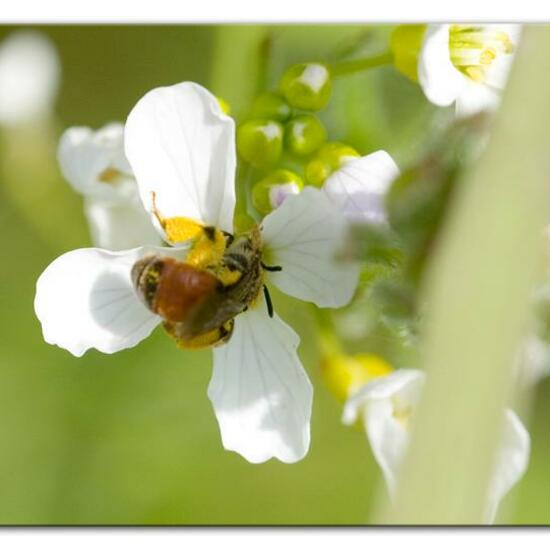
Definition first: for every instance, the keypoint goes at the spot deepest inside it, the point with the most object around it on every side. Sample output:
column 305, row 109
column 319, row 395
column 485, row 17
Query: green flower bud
column 304, row 134
column 272, row 190
column 242, row 222
column 272, row 106
column 405, row 44
column 331, row 157
column 317, row 171
column 260, row 142
column 307, row 86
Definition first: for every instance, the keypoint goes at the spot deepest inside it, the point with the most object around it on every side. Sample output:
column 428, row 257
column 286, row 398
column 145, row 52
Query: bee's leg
column 229, row 238
column 271, row 267
column 268, row 301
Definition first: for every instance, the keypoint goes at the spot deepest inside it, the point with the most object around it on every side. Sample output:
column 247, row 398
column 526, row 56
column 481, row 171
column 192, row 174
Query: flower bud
column 271, row 106
column 344, row 374
column 307, row 86
column 331, row 157
column 405, row 44
column 304, row 134
column 260, row 142
column 270, row 192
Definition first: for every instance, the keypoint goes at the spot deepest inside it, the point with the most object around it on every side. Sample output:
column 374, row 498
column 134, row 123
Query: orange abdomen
column 181, row 289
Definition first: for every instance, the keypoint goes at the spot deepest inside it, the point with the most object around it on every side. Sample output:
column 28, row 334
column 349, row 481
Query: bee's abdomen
column 172, row 289
column 180, row 289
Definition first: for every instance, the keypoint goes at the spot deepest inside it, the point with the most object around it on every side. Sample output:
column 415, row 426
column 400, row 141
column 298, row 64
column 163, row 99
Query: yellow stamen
column 402, row 415
column 208, row 246
column 473, row 49
column 109, row 175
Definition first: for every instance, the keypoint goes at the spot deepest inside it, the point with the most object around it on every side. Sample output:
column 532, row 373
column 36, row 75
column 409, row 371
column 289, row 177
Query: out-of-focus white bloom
column 181, row 147
column 359, row 187
column 466, row 64
column 95, row 165
column 29, row 77
column 534, row 360
column 386, row 405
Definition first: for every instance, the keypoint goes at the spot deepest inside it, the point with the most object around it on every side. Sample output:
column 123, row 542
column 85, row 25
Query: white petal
column 440, row 80
column 120, row 226
column 29, row 77
column 497, row 73
column 359, row 187
column 182, row 148
column 85, row 299
column 380, row 403
column 511, row 463
column 304, row 236
column 404, row 381
column 260, row 391
column 84, row 155
column 476, row 97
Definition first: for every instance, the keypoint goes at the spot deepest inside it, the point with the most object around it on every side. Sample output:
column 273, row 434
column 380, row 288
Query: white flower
column 386, row 406
column 359, row 187
column 29, row 77
column 466, row 64
column 534, row 360
column 182, row 151
column 95, row 165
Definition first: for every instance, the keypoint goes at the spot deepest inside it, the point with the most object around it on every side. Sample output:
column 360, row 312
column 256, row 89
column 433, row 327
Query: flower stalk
column 345, row 68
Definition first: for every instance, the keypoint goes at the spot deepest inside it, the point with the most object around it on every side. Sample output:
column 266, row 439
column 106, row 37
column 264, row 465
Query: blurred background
column 131, row 438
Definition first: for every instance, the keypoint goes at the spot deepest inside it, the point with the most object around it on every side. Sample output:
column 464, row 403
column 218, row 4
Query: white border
column 272, row 11
column 274, row 539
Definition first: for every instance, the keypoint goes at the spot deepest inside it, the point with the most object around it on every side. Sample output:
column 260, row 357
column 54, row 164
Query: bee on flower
column 206, row 286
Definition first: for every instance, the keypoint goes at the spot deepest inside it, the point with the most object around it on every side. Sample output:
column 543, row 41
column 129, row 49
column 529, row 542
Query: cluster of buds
column 283, row 133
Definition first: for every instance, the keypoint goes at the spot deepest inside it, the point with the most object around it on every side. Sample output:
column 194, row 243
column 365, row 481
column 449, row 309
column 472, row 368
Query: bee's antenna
column 268, row 301
column 271, row 267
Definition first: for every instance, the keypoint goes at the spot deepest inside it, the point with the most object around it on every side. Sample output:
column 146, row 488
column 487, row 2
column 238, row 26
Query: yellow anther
column 109, row 175
column 402, row 415
column 487, row 56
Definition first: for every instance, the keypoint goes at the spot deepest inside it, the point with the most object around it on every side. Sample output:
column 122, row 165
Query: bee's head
column 145, row 277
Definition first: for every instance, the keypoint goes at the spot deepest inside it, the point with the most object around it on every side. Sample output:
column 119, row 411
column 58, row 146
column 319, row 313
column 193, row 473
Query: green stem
column 477, row 290
column 243, row 221
column 357, row 65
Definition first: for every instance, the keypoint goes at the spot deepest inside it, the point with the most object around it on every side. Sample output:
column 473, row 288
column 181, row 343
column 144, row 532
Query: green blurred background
column 131, row 438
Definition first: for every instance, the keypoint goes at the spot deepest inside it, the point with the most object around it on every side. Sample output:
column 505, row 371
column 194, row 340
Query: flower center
column 473, row 49
column 402, row 413
column 109, row 176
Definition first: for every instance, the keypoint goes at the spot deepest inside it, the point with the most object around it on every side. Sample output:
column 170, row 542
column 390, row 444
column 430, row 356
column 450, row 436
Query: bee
column 199, row 298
